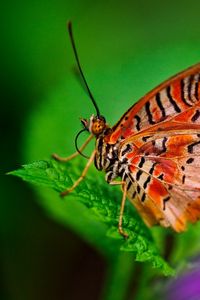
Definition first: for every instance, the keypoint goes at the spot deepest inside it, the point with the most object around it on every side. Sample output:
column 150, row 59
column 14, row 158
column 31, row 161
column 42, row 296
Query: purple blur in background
column 187, row 285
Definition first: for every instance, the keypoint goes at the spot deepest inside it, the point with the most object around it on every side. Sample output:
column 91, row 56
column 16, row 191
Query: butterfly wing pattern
column 158, row 142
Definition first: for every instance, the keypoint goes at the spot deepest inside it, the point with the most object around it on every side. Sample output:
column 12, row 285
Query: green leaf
column 100, row 200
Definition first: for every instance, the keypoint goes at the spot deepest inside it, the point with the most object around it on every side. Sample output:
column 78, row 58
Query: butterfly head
column 95, row 125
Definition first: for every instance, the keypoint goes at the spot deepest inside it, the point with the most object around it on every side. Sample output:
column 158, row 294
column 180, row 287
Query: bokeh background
column 126, row 48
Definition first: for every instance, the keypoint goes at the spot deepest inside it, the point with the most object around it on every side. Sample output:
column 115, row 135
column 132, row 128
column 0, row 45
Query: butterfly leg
column 76, row 183
column 124, row 189
column 65, row 159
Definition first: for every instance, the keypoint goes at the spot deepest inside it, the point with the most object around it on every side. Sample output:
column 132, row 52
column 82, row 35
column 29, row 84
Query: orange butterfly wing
column 165, row 177
column 162, row 135
column 175, row 100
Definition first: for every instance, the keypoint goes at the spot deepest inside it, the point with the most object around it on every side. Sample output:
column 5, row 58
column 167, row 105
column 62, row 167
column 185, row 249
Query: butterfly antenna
column 80, row 69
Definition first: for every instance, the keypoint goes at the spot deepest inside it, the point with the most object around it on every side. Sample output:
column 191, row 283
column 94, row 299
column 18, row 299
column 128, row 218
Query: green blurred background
column 126, row 48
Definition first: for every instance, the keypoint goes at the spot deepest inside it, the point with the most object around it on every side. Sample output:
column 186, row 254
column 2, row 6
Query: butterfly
column 154, row 149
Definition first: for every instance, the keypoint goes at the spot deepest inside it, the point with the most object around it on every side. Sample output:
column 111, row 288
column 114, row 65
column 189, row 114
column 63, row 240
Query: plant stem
column 118, row 277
